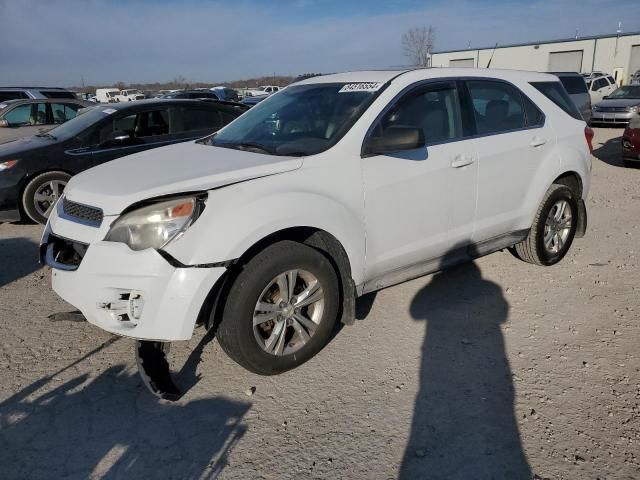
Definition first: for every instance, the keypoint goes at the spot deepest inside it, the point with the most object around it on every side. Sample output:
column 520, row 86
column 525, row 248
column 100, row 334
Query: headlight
column 156, row 225
column 633, row 109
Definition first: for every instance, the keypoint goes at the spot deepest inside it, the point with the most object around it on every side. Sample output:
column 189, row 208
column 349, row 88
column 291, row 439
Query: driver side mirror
column 605, row 97
column 395, row 139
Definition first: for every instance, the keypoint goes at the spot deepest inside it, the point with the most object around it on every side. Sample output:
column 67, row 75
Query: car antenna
column 492, row 52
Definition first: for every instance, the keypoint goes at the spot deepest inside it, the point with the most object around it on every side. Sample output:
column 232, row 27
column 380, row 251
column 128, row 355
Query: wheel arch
column 571, row 179
column 325, row 242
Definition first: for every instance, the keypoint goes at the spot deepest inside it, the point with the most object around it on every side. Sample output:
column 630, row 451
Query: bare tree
column 417, row 44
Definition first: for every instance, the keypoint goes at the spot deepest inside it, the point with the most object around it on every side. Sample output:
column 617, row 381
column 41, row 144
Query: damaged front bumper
column 136, row 294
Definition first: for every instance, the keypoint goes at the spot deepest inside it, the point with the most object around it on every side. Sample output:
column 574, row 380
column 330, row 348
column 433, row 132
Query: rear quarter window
column 555, row 92
column 574, row 85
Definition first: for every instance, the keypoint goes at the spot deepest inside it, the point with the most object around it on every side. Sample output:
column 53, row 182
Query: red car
column 631, row 143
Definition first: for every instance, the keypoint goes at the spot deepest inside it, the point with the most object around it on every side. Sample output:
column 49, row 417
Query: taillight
column 588, row 135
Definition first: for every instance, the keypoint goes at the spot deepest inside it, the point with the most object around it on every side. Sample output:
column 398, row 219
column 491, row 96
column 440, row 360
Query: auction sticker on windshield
column 361, row 87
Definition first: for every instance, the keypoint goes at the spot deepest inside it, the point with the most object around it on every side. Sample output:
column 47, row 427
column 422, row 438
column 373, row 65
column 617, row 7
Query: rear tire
column 41, row 193
column 261, row 291
column 553, row 229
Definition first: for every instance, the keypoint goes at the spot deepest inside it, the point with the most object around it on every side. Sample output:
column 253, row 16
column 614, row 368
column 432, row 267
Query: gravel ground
column 495, row 369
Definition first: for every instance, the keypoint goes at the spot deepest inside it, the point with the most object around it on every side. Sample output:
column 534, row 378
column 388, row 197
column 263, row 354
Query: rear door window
column 188, row 119
column 63, row 112
column 497, row 106
column 555, row 92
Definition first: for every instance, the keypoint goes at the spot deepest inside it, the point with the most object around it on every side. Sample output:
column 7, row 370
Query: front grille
column 612, row 109
column 82, row 213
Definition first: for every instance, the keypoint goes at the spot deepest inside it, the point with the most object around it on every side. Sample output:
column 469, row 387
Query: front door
column 419, row 204
column 135, row 132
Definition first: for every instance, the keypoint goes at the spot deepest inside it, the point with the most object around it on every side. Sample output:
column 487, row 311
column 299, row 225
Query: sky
column 62, row 42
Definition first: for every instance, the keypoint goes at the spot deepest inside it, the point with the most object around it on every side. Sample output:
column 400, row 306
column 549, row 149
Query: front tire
column 280, row 310
column 553, row 229
column 41, row 194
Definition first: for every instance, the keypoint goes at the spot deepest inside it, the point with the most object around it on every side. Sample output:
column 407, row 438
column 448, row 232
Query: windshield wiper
column 247, row 146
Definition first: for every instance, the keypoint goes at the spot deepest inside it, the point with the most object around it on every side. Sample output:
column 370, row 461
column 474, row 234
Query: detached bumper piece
column 153, row 368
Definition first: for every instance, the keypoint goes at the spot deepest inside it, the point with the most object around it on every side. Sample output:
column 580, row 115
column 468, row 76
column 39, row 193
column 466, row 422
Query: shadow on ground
column 111, row 427
column 464, row 424
column 610, row 152
column 18, row 258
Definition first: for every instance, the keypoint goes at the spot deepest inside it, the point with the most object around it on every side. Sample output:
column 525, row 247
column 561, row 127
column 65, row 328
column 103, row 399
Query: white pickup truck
column 261, row 91
column 129, row 96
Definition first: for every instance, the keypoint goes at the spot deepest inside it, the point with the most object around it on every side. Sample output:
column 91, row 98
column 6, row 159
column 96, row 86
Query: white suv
column 339, row 185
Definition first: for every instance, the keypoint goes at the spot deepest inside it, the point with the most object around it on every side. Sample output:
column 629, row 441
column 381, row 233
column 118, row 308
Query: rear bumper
column 133, row 294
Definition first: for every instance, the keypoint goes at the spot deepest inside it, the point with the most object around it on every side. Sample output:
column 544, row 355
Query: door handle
column 461, row 161
column 537, row 141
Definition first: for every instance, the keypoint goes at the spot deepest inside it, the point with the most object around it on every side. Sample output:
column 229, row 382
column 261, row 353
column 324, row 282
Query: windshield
column 300, row 120
column 630, row 91
column 77, row 125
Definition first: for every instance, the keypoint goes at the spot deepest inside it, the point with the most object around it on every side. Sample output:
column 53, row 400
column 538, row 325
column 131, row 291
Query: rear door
column 511, row 136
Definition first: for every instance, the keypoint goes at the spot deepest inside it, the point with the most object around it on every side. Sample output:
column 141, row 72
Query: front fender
column 239, row 216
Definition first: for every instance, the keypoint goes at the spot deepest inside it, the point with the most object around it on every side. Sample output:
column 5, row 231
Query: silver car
column 618, row 107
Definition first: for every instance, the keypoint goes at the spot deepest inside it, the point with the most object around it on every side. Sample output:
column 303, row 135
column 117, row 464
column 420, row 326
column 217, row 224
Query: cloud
column 56, row 42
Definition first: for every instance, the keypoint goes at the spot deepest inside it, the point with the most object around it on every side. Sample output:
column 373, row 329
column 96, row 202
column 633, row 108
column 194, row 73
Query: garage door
column 634, row 65
column 463, row 62
column 565, row 61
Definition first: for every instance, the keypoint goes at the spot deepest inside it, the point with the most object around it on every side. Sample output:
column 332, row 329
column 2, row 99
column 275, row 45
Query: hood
column 184, row 167
column 619, row 102
column 14, row 148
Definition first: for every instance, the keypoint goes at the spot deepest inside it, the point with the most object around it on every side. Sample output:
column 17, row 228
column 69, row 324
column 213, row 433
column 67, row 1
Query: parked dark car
column 225, row 93
column 22, row 118
column 575, row 85
column 192, row 94
column 35, row 170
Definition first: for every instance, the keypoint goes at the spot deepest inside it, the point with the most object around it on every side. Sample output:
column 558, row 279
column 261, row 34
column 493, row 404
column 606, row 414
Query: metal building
column 617, row 54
